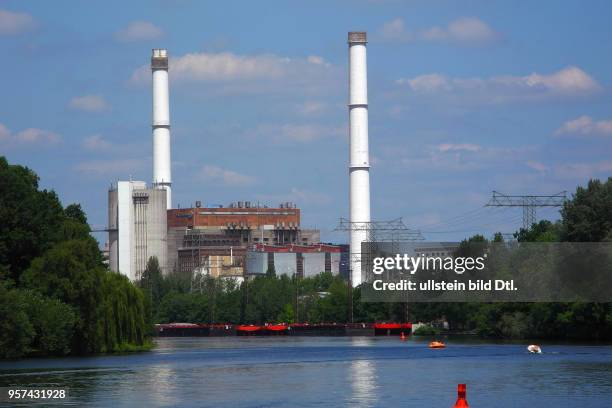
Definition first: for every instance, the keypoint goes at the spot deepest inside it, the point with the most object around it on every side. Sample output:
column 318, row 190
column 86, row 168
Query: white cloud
column 395, row 30
column 537, row 166
column 469, row 31
column 228, row 67
column 466, row 147
column 298, row 196
column 5, row 133
column 96, row 143
column 312, row 108
column 427, row 83
column 449, row 157
column 34, row 135
column 28, row 137
column 139, row 31
column 570, row 80
column 303, row 133
column 584, row 171
column 585, row 125
column 567, row 82
column 434, row 34
column 315, row 59
column 110, row 167
column 216, row 174
column 12, row 23
column 89, row 103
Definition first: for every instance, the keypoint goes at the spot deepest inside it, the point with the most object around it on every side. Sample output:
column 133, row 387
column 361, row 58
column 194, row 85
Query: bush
column 16, row 330
column 426, row 330
column 123, row 313
column 31, row 323
column 183, row 307
column 109, row 308
column 53, row 323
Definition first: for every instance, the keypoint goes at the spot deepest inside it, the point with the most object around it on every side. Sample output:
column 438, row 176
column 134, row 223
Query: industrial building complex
column 243, row 238
column 234, row 241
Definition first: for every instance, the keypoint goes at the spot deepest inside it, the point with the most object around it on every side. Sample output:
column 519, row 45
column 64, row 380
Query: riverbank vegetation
column 56, row 295
column 587, row 217
column 426, row 330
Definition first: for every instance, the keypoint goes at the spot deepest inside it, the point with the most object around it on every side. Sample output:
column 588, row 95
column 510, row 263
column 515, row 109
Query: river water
column 326, row 372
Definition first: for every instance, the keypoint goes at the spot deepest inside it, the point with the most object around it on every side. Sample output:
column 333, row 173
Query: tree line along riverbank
column 57, row 296
column 587, row 217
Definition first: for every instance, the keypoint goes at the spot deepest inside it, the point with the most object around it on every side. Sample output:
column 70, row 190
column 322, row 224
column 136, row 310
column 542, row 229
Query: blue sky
column 465, row 98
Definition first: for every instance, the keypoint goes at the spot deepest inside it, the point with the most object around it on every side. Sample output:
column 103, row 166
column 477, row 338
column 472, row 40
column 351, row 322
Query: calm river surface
column 327, row 372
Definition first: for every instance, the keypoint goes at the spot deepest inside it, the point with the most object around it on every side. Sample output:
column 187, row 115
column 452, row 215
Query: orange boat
column 437, row 345
column 277, row 329
column 248, row 330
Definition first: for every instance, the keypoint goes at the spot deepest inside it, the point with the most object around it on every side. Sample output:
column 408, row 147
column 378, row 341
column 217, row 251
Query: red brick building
column 196, row 233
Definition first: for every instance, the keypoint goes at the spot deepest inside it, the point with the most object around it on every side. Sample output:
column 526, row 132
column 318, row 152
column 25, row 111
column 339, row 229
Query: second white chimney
column 162, row 172
column 359, row 160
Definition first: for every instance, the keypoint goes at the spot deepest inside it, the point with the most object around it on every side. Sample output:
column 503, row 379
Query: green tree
column 16, row 330
column 587, row 217
column 123, row 314
column 543, row 231
column 76, row 213
column 75, row 224
column 498, row 237
column 30, row 220
column 72, row 272
column 152, row 279
column 153, row 286
column 53, row 323
column 183, row 307
column 110, row 309
column 287, row 315
column 64, row 297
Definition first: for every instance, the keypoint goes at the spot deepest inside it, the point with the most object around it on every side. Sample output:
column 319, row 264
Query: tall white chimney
column 162, row 177
column 359, row 161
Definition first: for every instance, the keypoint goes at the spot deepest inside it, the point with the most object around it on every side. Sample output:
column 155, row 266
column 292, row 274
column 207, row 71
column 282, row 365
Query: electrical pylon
column 529, row 203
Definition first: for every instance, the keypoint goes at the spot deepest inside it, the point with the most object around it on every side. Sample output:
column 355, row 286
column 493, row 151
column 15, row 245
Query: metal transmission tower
column 382, row 231
column 528, row 202
column 394, row 231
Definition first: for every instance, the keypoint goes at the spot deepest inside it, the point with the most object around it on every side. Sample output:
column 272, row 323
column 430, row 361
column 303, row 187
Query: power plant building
column 196, row 234
column 238, row 240
column 137, row 227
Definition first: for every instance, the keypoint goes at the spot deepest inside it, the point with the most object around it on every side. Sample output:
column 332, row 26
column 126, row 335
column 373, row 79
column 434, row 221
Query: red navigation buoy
column 461, row 401
column 402, row 336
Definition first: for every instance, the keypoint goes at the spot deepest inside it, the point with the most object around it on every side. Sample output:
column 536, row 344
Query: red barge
column 382, row 329
column 281, row 329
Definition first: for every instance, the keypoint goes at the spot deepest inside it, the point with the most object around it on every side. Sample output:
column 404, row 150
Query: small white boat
column 534, row 348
